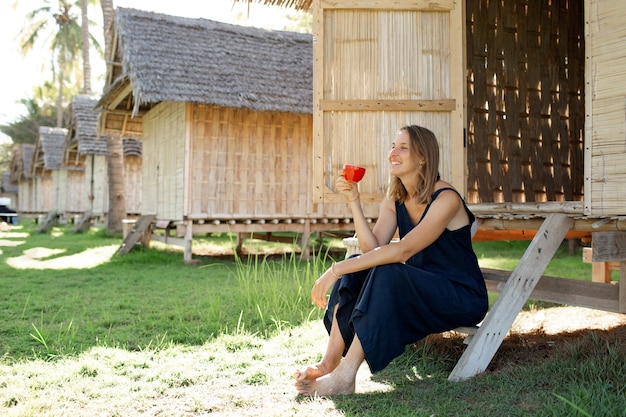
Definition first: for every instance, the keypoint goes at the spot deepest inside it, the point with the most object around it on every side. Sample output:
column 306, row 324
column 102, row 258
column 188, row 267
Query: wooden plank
column 516, row 291
column 388, row 105
column 595, row 295
column 608, row 246
column 440, row 5
column 622, row 287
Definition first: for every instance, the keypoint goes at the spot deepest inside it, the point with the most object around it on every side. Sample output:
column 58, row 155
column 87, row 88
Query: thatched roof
column 292, row 4
column 7, row 186
column 21, row 162
column 83, row 127
column 132, row 147
column 48, row 153
column 169, row 58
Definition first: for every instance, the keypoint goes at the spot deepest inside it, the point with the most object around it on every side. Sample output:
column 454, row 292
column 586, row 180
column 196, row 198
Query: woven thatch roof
column 168, row 58
column 83, row 127
column 48, row 153
column 21, row 162
column 132, row 147
column 7, row 186
column 293, row 4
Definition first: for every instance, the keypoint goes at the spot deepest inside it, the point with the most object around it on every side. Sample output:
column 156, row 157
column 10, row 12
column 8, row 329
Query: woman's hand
column 321, row 287
column 348, row 189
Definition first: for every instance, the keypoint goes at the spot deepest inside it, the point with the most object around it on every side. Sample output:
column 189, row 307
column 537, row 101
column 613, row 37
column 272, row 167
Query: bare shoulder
column 451, row 199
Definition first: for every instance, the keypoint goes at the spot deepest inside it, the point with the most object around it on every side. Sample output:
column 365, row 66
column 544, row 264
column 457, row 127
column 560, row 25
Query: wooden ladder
column 483, row 345
column 141, row 225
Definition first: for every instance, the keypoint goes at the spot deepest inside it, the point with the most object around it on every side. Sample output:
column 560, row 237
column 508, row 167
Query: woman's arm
column 386, row 223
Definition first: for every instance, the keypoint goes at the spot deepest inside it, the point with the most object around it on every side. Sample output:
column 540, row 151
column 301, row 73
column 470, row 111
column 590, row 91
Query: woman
column 395, row 294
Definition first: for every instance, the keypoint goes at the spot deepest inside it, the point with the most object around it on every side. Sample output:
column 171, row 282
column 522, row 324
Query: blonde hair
column 424, row 147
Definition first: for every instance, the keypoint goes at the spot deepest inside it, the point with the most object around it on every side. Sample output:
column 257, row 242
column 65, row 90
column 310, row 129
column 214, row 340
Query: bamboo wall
column 96, row 185
column 605, row 129
column 525, row 100
column 59, row 190
column 25, row 196
column 42, row 194
column 132, row 180
column 75, row 198
column 246, row 164
column 163, row 167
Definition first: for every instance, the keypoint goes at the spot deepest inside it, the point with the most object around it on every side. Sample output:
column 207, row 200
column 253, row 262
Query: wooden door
column 377, row 67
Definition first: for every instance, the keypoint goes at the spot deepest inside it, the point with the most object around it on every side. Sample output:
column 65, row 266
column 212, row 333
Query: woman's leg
column 342, row 380
column 331, row 359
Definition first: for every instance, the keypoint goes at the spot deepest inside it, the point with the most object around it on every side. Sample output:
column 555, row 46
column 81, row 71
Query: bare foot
column 337, row 382
column 310, row 373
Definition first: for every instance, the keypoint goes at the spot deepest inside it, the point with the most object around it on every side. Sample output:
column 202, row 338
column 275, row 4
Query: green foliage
column 26, row 128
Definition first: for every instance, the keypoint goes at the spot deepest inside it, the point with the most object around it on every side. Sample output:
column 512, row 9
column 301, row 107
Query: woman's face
column 400, row 156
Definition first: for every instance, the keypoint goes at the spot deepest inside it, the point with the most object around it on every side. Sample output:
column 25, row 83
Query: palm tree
column 58, row 27
column 115, row 150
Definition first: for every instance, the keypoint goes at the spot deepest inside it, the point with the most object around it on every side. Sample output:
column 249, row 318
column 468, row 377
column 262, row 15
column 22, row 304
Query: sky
column 21, row 73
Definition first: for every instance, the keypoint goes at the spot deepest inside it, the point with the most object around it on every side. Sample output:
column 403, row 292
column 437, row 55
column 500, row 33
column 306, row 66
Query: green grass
column 146, row 334
column 147, row 297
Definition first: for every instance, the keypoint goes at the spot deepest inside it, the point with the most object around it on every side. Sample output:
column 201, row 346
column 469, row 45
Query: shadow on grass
column 531, row 374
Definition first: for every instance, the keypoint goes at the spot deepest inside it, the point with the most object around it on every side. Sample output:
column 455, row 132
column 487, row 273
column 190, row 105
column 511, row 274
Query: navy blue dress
column 391, row 306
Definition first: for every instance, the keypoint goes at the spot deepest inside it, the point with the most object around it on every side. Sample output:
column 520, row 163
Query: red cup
column 353, row 173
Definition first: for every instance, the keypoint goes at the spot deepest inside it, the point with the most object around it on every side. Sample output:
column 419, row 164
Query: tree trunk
column 115, row 149
column 84, row 34
column 117, row 201
column 59, row 103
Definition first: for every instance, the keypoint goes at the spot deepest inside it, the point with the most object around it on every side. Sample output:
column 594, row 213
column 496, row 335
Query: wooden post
column 516, row 291
column 188, row 241
column 622, row 287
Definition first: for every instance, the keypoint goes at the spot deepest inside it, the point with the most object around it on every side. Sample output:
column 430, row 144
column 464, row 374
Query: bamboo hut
column 85, row 154
column 48, row 181
column 224, row 114
column 527, row 100
column 21, row 175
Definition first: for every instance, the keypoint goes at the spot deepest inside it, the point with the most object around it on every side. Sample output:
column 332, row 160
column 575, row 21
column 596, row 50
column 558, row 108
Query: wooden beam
column 388, row 105
column 516, row 291
column 440, row 5
column 567, row 207
column 608, row 246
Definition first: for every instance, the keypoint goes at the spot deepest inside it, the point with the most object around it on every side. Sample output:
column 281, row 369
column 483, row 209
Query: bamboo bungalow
column 86, row 153
column 224, row 113
column 49, row 183
column 527, row 100
column 21, row 175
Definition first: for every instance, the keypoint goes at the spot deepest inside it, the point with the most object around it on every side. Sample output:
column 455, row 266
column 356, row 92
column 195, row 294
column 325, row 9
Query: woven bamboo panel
column 25, row 196
column 382, row 69
column 132, row 180
column 59, row 185
column 249, row 164
column 96, row 185
column 42, row 193
column 606, row 127
column 525, row 100
column 163, row 165
column 75, row 199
